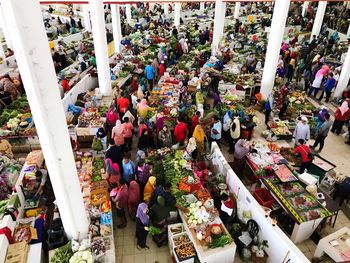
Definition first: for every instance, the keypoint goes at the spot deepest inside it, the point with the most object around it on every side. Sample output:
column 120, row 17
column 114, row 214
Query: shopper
column 159, row 213
column 164, row 137
column 143, row 173
column 323, row 133
column 304, row 151
column 195, row 121
column 112, row 172
column 143, row 109
column 161, row 69
column 216, row 130
column 133, row 198
column 302, row 131
column 118, row 133
column 120, row 197
column 128, row 132
column 164, row 191
column 248, row 127
column 180, row 132
column 149, row 189
column 143, row 143
column 327, row 87
column 342, row 114
column 115, row 153
column 149, row 73
column 235, row 133
column 142, row 221
column 123, row 104
column 268, row 108
column 128, row 168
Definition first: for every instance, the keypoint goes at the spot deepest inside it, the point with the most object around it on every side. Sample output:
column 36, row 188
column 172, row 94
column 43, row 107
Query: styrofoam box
column 170, row 235
column 190, row 260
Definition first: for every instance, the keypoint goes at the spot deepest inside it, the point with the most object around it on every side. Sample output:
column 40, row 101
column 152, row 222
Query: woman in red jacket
column 180, row 131
column 342, row 114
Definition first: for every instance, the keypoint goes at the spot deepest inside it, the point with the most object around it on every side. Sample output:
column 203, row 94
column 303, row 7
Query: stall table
column 335, row 246
column 207, row 255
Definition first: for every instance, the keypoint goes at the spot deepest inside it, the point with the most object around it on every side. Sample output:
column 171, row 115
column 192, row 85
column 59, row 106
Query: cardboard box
column 17, row 253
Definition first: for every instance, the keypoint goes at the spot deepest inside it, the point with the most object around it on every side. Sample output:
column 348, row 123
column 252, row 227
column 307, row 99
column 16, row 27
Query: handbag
column 309, row 154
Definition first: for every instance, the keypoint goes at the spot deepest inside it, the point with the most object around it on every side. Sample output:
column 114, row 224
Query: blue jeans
column 312, row 89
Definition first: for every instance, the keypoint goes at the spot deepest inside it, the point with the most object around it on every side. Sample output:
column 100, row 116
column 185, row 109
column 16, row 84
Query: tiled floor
column 126, row 251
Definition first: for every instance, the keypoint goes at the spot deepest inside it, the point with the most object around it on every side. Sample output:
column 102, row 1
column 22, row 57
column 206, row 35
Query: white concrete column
column 321, row 9
column 237, row 9
column 166, row 8
column 201, row 7
column 348, row 32
column 219, row 21
column 86, row 17
column 305, row 6
column 279, row 17
column 128, row 13
column 116, row 26
column 27, row 33
column 344, row 76
column 4, row 29
column 177, row 11
column 100, row 45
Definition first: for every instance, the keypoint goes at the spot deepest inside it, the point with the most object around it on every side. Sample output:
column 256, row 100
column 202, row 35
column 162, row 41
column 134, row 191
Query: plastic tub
column 263, row 197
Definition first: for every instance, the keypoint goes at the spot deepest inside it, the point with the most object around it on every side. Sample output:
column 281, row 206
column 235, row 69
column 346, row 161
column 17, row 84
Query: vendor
column 6, row 148
column 41, row 176
column 241, row 150
column 226, row 209
column 304, row 151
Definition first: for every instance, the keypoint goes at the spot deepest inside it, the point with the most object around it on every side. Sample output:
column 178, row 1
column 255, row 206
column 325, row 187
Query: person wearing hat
column 302, row 131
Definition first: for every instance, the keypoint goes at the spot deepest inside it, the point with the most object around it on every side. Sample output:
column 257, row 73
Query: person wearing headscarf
column 160, row 122
column 120, row 197
column 164, row 137
column 9, row 86
column 191, row 148
column 341, row 115
column 100, row 134
column 112, row 171
column 195, row 121
column 142, row 221
column 283, row 92
column 143, row 108
column 118, row 133
column 241, row 150
column 159, row 214
column 200, row 137
column 149, row 189
column 134, row 198
column 302, row 131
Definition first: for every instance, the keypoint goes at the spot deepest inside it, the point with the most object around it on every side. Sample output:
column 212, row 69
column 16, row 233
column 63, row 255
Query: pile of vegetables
column 63, row 254
column 97, row 169
column 220, row 240
column 3, row 205
column 82, row 257
column 19, row 106
column 152, row 230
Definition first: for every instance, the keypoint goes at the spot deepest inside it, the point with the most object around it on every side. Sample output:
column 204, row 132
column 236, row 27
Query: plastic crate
column 263, row 197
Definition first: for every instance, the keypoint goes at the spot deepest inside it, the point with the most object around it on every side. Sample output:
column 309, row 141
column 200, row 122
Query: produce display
column 301, row 204
column 62, row 254
column 90, row 119
column 9, row 172
column 22, row 234
column 16, row 119
column 90, row 167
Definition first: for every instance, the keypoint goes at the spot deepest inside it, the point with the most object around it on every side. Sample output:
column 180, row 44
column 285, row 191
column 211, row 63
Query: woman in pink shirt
column 128, row 128
column 118, row 133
